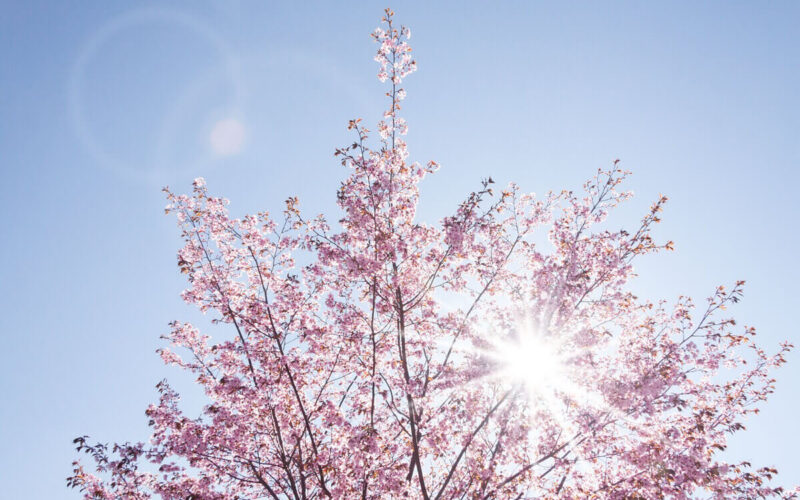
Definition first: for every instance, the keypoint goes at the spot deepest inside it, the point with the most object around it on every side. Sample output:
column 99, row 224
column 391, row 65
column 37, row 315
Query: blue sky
column 104, row 103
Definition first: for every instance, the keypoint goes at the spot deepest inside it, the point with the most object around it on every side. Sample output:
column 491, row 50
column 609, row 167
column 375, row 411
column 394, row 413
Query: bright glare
column 533, row 361
column 544, row 366
column 227, row 137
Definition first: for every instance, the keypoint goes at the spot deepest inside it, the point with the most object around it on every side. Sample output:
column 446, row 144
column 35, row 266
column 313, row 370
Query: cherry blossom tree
column 463, row 360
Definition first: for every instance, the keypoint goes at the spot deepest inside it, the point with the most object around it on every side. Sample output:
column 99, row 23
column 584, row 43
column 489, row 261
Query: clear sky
column 103, row 103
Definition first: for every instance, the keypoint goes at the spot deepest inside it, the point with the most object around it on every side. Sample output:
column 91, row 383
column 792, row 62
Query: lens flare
column 227, row 137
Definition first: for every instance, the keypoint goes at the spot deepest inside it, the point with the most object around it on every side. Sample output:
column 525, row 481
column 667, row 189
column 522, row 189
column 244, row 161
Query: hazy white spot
column 227, row 137
column 92, row 52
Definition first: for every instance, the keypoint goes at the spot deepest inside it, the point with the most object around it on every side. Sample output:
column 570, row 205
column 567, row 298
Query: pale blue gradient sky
column 103, row 103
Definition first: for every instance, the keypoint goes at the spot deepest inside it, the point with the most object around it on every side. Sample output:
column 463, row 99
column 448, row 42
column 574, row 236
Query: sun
column 545, row 366
column 533, row 361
